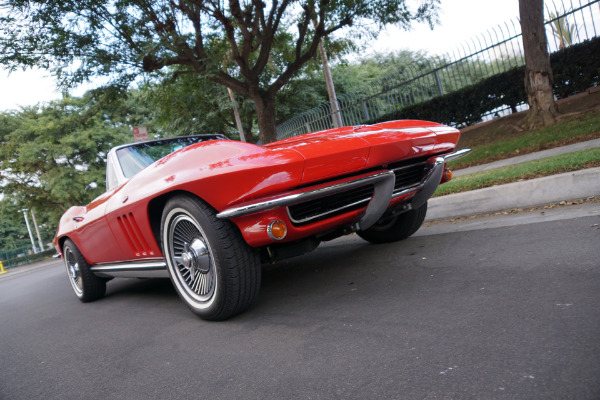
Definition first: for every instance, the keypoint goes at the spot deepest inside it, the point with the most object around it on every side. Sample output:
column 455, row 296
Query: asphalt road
column 506, row 307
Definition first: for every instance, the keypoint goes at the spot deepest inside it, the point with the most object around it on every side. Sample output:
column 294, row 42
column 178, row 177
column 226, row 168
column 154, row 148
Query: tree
column 538, row 72
column 562, row 30
column 79, row 39
column 13, row 232
column 191, row 105
column 53, row 157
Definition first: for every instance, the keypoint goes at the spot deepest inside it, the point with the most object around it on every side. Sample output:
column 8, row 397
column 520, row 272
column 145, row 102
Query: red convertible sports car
column 207, row 211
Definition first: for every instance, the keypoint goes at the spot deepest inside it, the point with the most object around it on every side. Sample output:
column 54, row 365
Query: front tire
column 86, row 285
column 213, row 270
column 395, row 228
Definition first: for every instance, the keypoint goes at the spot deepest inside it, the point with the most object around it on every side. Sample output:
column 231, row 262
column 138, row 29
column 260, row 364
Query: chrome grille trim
column 407, row 179
column 337, row 210
column 414, row 179
column 304, row 196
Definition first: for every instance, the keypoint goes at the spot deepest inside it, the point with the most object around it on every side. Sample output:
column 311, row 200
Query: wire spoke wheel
column 73, row 271
column 191, row 256
column 213, row 270
column 86, row 285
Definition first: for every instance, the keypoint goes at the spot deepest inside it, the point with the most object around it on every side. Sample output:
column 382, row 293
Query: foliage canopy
column 253, row 47
column 54, row 157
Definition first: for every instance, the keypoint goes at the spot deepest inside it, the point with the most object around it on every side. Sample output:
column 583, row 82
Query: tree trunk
column 538, row 72
column 265, row 115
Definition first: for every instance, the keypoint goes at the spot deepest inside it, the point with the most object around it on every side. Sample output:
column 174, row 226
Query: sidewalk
column 21, row 269
column 530, row 193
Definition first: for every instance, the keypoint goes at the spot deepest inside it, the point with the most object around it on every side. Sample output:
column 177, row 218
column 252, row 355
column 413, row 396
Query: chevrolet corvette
column 206, row 211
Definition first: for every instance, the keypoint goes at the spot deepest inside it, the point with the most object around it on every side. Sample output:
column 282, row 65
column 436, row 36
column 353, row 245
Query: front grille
column 329, row 206
column 408, row 173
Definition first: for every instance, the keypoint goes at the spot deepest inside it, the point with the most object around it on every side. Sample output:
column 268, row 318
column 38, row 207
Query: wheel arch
column 61, row 245
column 156, row 207
column 61, row 242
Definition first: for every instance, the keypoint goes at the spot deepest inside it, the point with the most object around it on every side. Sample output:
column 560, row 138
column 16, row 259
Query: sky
column 460, row 21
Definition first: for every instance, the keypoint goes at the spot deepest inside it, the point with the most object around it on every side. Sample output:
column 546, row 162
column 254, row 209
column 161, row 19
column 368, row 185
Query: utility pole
column 37, row 231
column 29, row 229
column 236, row 114
column 336, row 116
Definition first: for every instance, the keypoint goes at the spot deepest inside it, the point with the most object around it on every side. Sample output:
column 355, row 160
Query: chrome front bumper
column 383, row 193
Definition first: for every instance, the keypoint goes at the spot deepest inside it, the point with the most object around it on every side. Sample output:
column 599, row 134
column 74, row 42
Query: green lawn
column 576, row 129
column 523, row 171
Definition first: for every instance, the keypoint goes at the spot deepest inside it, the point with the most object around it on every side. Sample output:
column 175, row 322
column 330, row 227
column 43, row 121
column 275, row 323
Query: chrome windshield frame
column 112, row 160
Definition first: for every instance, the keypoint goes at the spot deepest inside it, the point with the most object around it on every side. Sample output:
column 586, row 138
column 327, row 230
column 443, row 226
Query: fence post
column 439, row 82
column 307, row 127
column 364, row 109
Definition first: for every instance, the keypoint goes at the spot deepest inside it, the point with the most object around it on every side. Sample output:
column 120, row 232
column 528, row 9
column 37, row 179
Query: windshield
column 136, row 157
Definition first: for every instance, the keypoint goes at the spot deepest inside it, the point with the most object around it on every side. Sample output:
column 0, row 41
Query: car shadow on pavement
column 155, row 287
column 324, row 277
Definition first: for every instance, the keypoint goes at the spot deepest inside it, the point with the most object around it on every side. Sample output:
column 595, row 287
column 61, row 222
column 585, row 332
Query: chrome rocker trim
column 383, row 192
column 155, row 268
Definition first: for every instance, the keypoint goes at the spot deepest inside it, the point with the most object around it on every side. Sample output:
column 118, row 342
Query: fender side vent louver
column 133, row 235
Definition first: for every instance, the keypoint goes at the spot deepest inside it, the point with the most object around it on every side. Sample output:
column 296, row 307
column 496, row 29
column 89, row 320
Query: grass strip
column 528, row 170
column 585, row 127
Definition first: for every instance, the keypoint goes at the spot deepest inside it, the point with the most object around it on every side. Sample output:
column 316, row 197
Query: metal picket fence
column 23, row 255
column 498, row 50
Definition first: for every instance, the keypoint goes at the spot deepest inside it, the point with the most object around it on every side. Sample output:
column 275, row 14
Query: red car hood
column 337, row 151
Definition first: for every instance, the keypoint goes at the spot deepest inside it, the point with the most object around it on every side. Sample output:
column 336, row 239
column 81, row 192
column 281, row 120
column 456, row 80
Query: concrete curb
column 534, row 192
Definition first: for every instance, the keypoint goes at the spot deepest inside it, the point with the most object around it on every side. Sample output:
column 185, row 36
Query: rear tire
column 86, row 285
column 213, row 270
column 395, row 228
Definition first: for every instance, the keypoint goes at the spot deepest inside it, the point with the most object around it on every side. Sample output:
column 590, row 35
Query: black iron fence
column 23, row 255
column 498, row 50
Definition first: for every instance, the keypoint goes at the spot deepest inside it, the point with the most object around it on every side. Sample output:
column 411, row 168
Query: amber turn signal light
column 448, row 174
column 277, row 230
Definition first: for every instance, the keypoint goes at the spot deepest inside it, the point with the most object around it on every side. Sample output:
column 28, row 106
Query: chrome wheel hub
column 192, row 259
column 74, row 271
column 195, row 258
